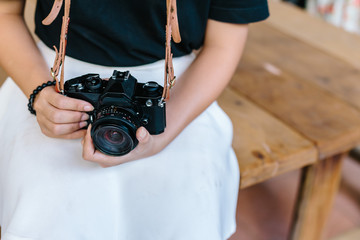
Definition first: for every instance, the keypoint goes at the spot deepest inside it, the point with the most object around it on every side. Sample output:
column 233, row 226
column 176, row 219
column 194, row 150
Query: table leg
column 318, row 187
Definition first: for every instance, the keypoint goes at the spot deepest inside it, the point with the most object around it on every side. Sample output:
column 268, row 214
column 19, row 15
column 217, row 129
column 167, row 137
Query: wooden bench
column 295, row 104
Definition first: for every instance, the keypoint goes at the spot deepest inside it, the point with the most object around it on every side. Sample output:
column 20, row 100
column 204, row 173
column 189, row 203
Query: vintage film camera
column 121, row 105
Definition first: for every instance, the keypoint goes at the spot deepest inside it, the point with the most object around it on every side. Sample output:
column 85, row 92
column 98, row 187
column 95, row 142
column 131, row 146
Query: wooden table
column 295, row 103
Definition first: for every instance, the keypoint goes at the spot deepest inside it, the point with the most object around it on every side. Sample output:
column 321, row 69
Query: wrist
column 35, row 92
column 164, row 139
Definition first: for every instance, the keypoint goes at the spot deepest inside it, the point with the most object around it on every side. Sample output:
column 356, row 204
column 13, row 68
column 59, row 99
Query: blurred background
column 264, row 210
column 341, row 13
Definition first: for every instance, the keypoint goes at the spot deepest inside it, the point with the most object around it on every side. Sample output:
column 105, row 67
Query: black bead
column 35, row 92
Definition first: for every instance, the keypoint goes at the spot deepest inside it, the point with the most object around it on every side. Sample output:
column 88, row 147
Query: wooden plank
column 286, row 53
column 315, row 32
column 265, row 147
column 353, row 234
column 319, row 185
column 319, row 116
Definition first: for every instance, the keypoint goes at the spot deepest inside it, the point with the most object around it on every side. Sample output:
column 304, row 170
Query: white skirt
column 48, row 192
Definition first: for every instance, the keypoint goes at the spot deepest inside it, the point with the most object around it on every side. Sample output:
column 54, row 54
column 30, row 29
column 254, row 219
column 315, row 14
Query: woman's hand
column 148, row 145
column 200, row 85
column 60, row 116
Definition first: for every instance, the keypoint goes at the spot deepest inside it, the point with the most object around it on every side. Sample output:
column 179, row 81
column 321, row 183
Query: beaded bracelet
column 35, row 92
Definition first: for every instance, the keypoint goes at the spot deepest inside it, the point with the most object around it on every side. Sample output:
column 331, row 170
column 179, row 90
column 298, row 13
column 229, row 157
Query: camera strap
column 172, row 30
column 60, row 54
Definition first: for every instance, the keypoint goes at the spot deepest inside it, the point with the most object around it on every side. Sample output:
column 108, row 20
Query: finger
column 144, row 139
column 142, row 135
column 105, row 165
column 93, row 155
column 57, row 130
column 67, row 103
column 88, row 146
column 75, row 135
column 57, row 116
column 109, row 161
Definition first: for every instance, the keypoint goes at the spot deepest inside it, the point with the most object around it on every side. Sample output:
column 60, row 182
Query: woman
column 181, row 184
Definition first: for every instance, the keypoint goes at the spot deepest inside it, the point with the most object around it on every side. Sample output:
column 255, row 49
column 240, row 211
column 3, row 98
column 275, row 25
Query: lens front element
column 113, row 139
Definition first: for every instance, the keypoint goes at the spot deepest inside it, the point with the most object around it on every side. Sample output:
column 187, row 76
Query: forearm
column 196, row 89
column 203, row 82
column 58, row 116
column 20, row 57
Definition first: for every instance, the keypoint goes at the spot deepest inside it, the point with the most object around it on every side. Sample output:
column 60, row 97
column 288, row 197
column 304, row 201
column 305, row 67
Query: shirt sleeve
column 238, row 11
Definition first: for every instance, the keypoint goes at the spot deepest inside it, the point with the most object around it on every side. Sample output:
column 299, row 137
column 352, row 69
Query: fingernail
column 142, row 133
column 83, row 124
column 88, row 108
column 84, row 117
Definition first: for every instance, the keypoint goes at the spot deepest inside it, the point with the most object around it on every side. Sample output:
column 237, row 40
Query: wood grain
column 315, row 32
column 321, row 117
column 265, row 147
column 353, row 234
column 306, row 62
column 319, row 185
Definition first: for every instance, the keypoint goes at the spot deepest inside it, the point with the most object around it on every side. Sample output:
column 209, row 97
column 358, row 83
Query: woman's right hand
column 57, row 115
column 60, row 116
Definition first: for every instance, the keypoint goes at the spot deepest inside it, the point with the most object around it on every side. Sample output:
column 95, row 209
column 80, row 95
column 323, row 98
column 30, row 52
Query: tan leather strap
column 60, row 54
column 172, row 29
column 53, row 13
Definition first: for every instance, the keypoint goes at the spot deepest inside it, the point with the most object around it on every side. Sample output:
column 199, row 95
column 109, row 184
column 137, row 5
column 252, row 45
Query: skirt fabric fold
column 48, row 192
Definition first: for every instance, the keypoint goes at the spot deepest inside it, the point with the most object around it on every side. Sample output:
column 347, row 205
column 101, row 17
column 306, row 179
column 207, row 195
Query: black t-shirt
column 130, row 33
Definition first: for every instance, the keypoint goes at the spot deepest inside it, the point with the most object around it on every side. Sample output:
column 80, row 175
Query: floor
column 265, row 209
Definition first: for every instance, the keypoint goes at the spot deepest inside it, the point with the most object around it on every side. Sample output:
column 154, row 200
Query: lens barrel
column 114, row 134
column 121, row 106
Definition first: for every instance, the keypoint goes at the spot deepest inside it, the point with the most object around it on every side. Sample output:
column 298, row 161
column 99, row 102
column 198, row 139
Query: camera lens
column 114, row 136
column 113, row 139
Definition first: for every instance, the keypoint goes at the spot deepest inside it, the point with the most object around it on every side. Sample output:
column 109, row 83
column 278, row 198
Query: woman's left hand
column 148, row 145
column 200, row 85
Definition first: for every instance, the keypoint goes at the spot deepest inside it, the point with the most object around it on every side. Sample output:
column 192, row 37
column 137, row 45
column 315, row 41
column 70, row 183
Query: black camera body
column 121, row 106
